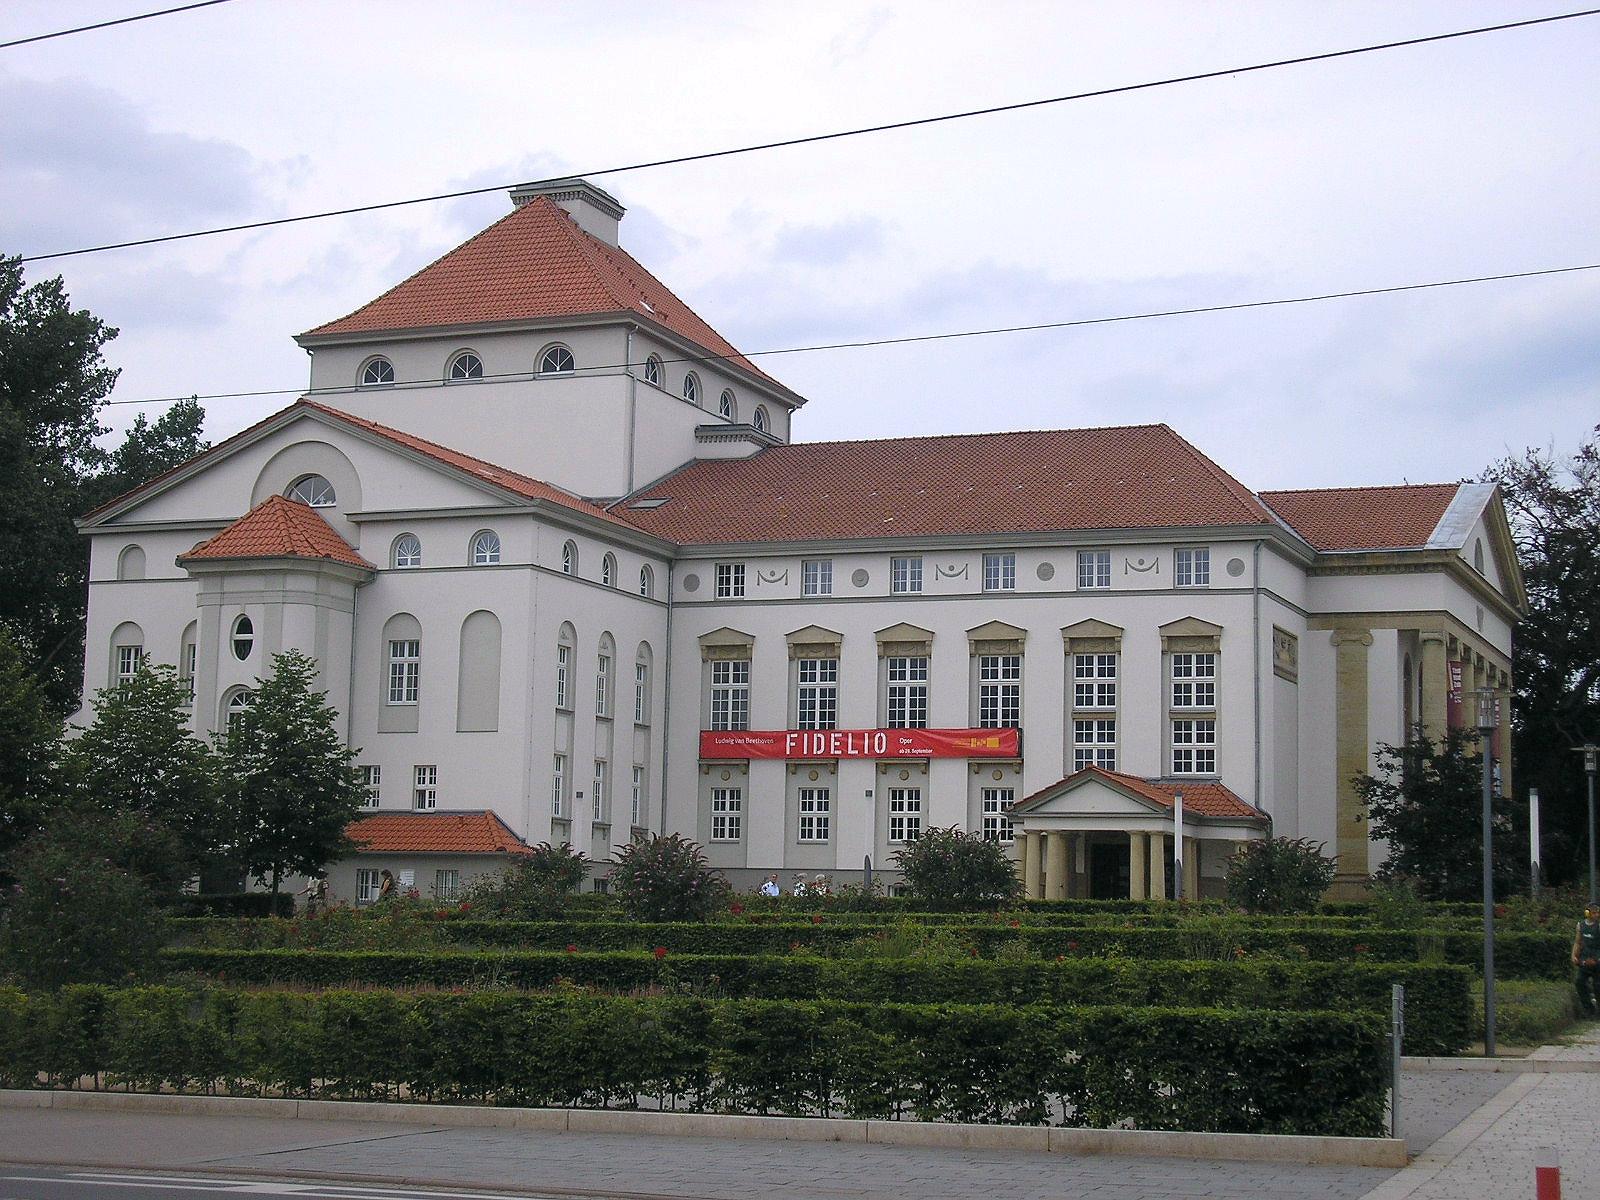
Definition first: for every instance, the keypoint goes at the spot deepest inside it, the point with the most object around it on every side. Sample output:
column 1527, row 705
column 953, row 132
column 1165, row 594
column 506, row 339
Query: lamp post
column 1533, row 839
column 1486, row 723
column 1591, row 763
column 1177, row 846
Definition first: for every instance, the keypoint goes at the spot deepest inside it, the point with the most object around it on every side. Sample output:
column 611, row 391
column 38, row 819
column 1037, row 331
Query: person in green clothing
column 1586, row 957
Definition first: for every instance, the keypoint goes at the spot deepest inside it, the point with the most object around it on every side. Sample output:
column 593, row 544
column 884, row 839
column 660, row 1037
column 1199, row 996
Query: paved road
column 46, row 1184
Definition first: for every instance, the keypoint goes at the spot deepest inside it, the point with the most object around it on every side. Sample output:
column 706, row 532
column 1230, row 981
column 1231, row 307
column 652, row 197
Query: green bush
column 1154, row 1068
column 540, row 884
column 235, row 904
column 1279, row 875
column 950, row 868
column 667, row 879
column 1528, row 1012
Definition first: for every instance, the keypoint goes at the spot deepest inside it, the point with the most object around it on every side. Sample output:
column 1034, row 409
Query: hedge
column 1438, row 998
column 235, row 904
column 1153, row 1068
column 1517, row 955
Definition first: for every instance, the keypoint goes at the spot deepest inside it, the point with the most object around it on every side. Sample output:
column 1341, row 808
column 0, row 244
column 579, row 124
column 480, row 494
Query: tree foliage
column 667, row 879
column 290, row 779
column 29, row 738
column 1427, row 803
column 532, row 887
column 955, row 869
column 1553, row 505
column 1279, row 875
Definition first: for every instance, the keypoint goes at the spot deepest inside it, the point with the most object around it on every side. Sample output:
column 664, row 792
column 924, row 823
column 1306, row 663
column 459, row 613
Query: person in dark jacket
column 1586, row 957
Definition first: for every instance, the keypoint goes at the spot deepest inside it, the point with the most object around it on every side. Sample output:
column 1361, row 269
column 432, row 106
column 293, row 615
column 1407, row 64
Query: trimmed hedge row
column 1163, row 1068
column 1517, row 955
column 1438, row 999
column 235, row 904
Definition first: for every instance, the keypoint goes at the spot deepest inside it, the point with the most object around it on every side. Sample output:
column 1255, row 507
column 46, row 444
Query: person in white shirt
column 770, row 887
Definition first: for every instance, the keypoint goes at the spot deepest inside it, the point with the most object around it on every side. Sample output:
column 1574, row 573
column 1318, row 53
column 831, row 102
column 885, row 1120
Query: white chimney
column 596, row 212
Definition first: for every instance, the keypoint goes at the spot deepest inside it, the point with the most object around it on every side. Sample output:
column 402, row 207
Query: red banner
column 860, row 743
column 1453, row 714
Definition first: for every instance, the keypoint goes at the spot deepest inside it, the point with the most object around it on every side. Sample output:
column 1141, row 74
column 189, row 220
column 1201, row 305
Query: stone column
column 1072, row 865
column 1136, row 866
column 1435, row 685
column 1191, row 868
column 1055, row 871
column 1031, row 884
column 1158, row 866
column 1352, row 753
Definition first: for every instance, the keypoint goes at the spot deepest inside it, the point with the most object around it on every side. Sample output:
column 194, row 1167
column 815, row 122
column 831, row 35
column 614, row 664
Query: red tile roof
column 1364, row 518
column 480, row 832
column 278, row 528
column 1129, row 477
column 532, row 264
column 1201, row 799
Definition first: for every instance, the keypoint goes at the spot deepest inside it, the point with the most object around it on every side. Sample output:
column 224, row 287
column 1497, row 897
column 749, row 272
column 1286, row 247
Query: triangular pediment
column 727, row 636
column 994, row 631
column 813, row 633
column 1091, row 629
column 1089, row 794
column 1190, row 627
column 904, row 633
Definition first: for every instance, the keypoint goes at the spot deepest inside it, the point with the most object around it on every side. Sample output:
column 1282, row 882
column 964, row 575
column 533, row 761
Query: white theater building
column 550, row 541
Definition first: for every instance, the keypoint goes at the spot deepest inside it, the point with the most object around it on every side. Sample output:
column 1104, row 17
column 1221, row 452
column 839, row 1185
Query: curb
column 1249, row 1147
column 1504, row 1066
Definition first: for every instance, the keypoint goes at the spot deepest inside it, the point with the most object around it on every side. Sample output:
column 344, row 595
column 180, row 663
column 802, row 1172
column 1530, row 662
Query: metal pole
column 1533, row 839
column 1397, row 1037
column 1589, row 767
column 1177, row 845
column 1485, row 727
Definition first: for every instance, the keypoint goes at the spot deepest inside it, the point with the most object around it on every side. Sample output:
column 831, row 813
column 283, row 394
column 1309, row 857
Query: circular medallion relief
column 1236, row 567
column 1045, row 571
column 812, row 775
column 905, row 774
column 691, row 583
column 859, row 577
column 726, row 775
column 999, row 775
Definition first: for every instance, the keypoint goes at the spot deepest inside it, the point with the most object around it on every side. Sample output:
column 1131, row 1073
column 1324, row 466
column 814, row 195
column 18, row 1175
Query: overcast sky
column 1470, row 157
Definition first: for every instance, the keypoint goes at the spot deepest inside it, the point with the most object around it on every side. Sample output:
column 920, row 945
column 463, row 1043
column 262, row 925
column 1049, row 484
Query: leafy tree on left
column 53, row 386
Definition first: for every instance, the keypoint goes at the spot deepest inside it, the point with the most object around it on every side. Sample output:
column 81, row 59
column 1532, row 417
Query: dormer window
column 407, row 550
column 691, row 388
column 313, row 490
column 464, row 367
column 378, row 373
column 485, row 548
column 557, row 360
column 652, row 371
column 726, row 406
column 759, row 420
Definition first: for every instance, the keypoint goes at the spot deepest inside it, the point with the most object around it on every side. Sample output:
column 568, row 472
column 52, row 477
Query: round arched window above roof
column 652, row 370
column 244, row 637
column 727, row 407
column 608, row 570
column 760, row 418
column 407, row 550
column 313, row 490
column 647, row 581
column 485, row 548
column 557, row 360
column 464, row 367
column 691, row 388
column 569, row 558
column 379, row 372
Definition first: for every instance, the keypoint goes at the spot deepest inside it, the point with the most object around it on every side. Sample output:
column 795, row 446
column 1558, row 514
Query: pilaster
column 1352, row 753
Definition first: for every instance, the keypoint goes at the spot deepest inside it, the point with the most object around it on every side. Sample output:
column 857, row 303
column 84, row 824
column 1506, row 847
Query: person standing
column 385, row 886
column 770, row 887
column 1586, row 957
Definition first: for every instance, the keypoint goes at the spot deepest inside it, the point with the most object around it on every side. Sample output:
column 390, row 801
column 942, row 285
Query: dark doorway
column 1108, row 870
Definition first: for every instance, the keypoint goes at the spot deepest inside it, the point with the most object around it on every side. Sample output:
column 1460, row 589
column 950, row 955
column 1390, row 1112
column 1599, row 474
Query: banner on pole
column 860, row 743
column 1453, row 705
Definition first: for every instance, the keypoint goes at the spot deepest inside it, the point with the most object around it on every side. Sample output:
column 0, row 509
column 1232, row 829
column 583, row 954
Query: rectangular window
column 999, row 691
column 905, row 574
column 558, row 787
column 1000, row 572
column 367, row 885
column 446, row 885
column 1094, row 568
column 602, row 687
column 1194, row 681
column 818, row 698
column 636, row 801
column 1194, row 747
column 727, row 814
column 908, row 693
column 816, row 577
column 602, row 790
column 405, row 671
column 1191, row 566
column 371, row 780
column 730, row 581
column 1094, row 680
column 1094, row 744
column 730, row 694
column 997, row 814
column 128, row 660
column 426, row 790
column 815, row 810
column 905, row 814
column 641, row 693
column 563, row 676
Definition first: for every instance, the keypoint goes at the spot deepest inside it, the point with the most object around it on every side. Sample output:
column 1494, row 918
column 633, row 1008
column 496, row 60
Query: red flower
column 1238, row 951
column 974, row 954
column 1061, row 958
column 464, row 906
column 794, row 945
column 1072, row 945
column 1499, row 910
column 1361, row 947
column 571, row 949
column 1015, row 924
column 816, row 918
column 736, row 908
column 661, row 952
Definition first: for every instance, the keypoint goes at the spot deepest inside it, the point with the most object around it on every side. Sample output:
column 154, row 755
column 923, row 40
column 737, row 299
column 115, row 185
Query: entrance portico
column 1101, row 835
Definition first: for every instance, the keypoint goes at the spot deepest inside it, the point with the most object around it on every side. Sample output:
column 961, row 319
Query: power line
column 821, row 137
column 45, row 37
column 910, row 339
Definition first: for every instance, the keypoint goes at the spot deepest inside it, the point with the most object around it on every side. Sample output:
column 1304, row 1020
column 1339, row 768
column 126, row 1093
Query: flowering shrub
column 667, row 879
column 950, row 868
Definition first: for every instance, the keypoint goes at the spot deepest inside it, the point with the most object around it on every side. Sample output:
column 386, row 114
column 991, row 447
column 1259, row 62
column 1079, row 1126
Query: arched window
column 641, row 685
column 127, row 653
column 566, row 643
column 234, row 705
column 604, row 676
column 407, row 551
column 557, row 360
column 569, row 558
column 379, row 372
column 608, row 570
column 691, row 388
column 647, row 581
column 478, row 679
column 464, row 366
column 244, row 637
column 485, row 548
column 652, row 370
column 188, row 651
column 726, row 406
column 130, row 563
column 760, row 418
column 313, row 490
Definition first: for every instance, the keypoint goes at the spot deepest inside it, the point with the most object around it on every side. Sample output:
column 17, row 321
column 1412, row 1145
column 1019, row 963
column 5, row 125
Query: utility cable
column 909, row 339
column 165, row 12
column 820, row 137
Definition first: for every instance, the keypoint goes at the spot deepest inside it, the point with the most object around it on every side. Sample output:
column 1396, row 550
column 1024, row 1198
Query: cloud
column 829, row 245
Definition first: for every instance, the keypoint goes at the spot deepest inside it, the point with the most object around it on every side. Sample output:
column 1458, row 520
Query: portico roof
column 1203, row 800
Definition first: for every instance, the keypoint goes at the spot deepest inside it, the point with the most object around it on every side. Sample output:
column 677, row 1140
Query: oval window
column 244, row 638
